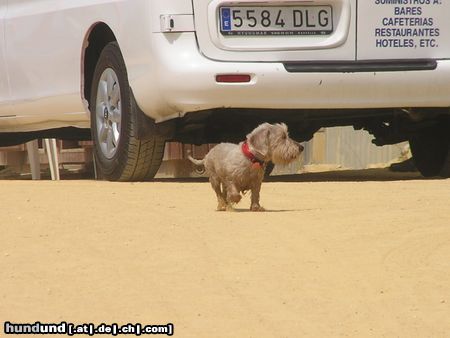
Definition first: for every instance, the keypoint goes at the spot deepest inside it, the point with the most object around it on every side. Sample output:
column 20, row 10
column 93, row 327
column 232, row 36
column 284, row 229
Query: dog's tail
column 198, row 163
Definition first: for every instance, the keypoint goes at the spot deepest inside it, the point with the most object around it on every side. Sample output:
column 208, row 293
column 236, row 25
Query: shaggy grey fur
column 232, row 173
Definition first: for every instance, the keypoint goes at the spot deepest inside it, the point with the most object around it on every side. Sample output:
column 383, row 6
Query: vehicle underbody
column 387, row 125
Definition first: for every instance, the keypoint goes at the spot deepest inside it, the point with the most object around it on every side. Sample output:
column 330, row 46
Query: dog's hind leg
column 228, row 206
column 221, row 200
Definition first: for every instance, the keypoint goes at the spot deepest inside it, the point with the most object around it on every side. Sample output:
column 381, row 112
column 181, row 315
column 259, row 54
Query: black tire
column 430, row 148
column 131, row 159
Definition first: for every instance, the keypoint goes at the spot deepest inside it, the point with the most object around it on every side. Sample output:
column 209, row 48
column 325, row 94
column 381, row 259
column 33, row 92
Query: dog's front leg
column 255, row 198
column 233, row 195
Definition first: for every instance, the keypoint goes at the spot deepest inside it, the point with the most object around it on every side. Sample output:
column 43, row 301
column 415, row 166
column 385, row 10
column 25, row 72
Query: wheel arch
column 97, row 37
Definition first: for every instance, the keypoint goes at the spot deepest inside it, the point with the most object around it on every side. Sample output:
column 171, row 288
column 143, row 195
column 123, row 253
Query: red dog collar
column 257, row 163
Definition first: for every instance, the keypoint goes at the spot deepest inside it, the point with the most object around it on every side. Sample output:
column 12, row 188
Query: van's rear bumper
column 185, row 81
column 360, row 66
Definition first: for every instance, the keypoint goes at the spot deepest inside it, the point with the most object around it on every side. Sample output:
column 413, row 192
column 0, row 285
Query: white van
column 137, row 73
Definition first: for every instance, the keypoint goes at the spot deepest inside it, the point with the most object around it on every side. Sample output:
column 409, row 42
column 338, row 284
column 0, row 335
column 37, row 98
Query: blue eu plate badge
column 225, row 17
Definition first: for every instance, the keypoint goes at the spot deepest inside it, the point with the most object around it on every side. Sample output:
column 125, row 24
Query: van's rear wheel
column 119, row 155
column 430, row 148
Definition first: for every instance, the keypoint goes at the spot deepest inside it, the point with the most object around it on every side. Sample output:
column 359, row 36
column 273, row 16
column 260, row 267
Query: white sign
column 403, row 29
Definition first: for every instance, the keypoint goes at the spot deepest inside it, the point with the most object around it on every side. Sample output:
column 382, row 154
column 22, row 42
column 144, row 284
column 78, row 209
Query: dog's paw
column 236, row 198
column 222, row 206
column 257, row 208
column 230, row 208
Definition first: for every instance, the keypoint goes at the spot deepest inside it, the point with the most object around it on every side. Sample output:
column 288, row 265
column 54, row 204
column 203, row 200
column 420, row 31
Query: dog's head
column 272, row 142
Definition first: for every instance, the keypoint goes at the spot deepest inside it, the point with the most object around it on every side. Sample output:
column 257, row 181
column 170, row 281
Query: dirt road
column 329, row 259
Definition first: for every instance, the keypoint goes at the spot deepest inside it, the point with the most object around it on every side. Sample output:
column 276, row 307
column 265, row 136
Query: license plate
column 272, row 21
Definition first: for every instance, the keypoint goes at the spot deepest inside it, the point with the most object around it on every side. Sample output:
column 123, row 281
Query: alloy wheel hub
column 108, row 113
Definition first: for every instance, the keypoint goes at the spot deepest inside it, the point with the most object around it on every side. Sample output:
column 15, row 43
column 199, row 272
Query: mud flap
column 148, row 128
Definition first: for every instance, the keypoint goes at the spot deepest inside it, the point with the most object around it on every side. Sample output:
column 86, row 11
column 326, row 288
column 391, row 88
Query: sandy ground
column 336, row 255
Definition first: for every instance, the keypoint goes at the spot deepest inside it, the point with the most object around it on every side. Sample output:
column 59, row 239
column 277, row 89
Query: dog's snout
column 300, row 147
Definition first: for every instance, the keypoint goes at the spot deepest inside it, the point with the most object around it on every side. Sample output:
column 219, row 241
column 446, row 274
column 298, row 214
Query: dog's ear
column 258, row 139
column 283, row 126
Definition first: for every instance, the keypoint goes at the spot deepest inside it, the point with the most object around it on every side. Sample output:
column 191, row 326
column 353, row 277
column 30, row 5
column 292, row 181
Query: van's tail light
column 233, row 78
